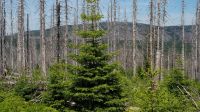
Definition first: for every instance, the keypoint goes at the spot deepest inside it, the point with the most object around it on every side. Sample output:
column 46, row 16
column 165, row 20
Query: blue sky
column 173, row 9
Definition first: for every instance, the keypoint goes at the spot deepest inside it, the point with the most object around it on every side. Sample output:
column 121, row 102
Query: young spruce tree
column 96, row 85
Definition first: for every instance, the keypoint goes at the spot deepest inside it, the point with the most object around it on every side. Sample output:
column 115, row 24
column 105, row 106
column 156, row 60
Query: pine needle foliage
column 55, row 96
column 96, row 85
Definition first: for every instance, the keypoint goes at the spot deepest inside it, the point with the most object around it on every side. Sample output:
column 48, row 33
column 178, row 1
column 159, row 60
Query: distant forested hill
column 172, row 34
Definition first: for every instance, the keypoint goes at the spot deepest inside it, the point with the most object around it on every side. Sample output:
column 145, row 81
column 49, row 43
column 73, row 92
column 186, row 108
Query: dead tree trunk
column 2, row 41
column 183, row 37
column 58, row 40
column 51, row 45
column 198, row 42
column 114, row 27
column 150, row 62
column 193, row 52
column 27, row 46
column 53, row 38
column 154, row 47
column 66, row 31
column 158, row 50
column 150, row 40
column 134, row 35
column 4, row 35
column 125, row 40
column 32, row 53
column 42, row 37
column 164, row 2
column 108, row 25
column 76, row 26
column 118, row 30
column 168, row 60
column 173, row 52
column 11, row 39
column 20, row 41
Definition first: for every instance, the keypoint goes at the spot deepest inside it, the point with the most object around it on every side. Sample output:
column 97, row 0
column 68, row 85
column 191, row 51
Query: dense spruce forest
column 85, row 57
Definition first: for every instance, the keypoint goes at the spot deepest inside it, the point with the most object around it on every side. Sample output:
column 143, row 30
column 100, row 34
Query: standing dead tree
column 193, row 52
column 108, row 27
column 58, row 37
column 158, row 50
column 51, row 50
column 5, row 55
column 76, row 20
column 150, row 40
column 197, row 41
column 11, row 38
column 28, row 46
column 114, row 27
column 66, row 31
column 125, row 50
column 183, row 36
column 110, row 16
column 118, row 29
column 20, row 39
column 42, row 37
column 164, row 13
column 33, row 54
column 2, row 40
column 154, row 43
column 52, row 40
column 134, row 35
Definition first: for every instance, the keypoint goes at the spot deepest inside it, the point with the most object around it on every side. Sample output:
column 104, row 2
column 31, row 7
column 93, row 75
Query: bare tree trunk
column 4, row 35
column 58, row 47
column 183, row 37
column 32, row 53
column 66, row 31
column 118, row 31
column 111, row 24
column 108, row 25
column 193, row 61
column 20, row 43
column 168, row 60
column 74, row 36
column 27, row 46
column 196, row 39
column 134, row 35
column 125, row 40
column 154, row 44
column 42, row 37
column 2, row 40
column 198, row 42
column 158, row 50
column 114, row 27
column 23, row 39
column 19, row 53
column 174, row 53
column 162, row 37
column 12, row 33
column 150, row 42
column 76, row 26
column 53, row 39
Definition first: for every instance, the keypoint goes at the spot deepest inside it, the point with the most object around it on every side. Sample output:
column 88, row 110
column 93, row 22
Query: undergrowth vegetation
column 175, row 93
